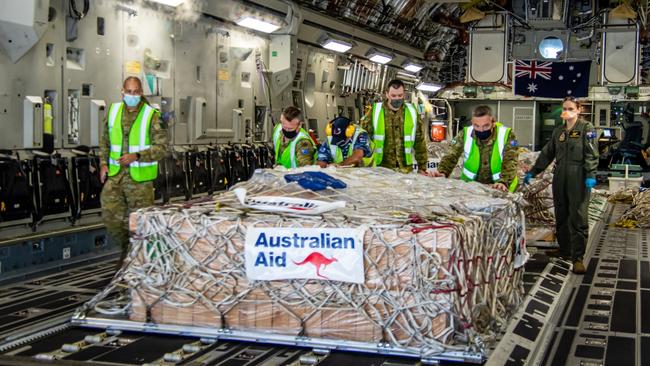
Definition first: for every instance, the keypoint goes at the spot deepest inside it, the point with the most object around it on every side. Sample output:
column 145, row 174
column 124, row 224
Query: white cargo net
column 439, row 259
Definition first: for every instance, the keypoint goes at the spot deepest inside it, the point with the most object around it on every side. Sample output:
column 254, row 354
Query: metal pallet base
column 236, row 335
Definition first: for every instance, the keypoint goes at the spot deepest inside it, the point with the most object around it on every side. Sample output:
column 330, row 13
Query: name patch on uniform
column 574, row 134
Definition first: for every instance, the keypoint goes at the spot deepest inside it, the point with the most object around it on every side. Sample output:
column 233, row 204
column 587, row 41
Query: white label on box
column 66, row 253
column 282, row 253
column 432, row 164
column 286, row 204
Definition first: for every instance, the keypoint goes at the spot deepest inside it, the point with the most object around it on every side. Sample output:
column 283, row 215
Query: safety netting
column 442, row 263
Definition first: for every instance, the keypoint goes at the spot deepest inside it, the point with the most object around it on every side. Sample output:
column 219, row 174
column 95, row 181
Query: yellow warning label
column 224, row 74
column 133, row 67
column 47, row 118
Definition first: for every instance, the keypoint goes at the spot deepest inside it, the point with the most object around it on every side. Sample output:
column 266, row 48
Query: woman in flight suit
column 573, row 146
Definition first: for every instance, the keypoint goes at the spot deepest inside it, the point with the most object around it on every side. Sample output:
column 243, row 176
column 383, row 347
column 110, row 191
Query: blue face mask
column 131, row 100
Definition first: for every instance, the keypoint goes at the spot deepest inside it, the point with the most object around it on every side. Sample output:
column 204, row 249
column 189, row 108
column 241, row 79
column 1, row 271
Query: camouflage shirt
column 304, row 151
column 485, row 147
column 158, row 139
column 394, row 140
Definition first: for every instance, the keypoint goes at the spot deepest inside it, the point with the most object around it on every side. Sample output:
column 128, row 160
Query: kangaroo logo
column 318, row 260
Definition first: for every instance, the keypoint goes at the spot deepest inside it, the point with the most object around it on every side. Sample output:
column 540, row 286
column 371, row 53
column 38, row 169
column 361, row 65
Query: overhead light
column 173, row 3
column 257, row 24
column 428, row 87
column 336, row 45
column 332, row 43
column 412, row 66
column 378, row 57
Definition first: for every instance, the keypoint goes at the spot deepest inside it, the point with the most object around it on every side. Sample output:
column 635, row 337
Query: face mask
column 568, row 114
column 289, row 134
column 483, row 135
column 131, row 100
column 396, row 103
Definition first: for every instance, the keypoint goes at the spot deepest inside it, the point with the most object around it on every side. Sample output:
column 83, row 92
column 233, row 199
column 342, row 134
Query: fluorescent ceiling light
column 335, row 45
column 428, row 87
column 412, row 67
column 378, row 57
column 257, row 24
column 173, row 3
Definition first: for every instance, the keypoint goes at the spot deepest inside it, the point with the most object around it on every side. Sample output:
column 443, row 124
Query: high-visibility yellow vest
column 410, row 127
column 337, row 152
column 139, row 140
column 288, row 157
column 472, row 156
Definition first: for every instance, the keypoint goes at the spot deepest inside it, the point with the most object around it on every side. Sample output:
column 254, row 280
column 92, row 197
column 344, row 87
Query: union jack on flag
column 533, row 69
column 548, row 79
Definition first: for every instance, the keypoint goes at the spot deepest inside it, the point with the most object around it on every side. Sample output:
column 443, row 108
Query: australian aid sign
column 281, row 253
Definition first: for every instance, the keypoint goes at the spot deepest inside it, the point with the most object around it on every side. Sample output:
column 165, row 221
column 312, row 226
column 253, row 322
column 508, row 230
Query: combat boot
column 578, row 267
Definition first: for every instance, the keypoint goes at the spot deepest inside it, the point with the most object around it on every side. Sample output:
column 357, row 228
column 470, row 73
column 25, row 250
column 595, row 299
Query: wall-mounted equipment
column 32, row 122
column 237, row 123
column 411, row 66
column 547, row 13
column 197, row 119
column 74, row 117
column 21, row 26
column 97, row 114
column 282, row 65
column 379, row 57
column 488, row 41
column 257, row 24
column 334, row 44
column 620, row 58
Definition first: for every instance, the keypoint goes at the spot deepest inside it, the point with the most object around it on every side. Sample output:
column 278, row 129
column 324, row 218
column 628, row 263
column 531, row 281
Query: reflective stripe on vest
column 139, row 140
column 379, row 136
column 335, row 150
column 288, row 157
column 472, row 156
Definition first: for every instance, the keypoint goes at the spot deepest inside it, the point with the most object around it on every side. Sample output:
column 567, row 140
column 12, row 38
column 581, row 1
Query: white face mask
column 568, row 115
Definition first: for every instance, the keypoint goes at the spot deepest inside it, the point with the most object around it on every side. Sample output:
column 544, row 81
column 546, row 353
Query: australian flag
column 552, row 79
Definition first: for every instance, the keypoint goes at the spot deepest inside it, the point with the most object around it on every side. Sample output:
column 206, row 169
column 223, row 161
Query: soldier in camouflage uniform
column 293, row 145
column 122, row 193
column 396, row 131
column 486, row 160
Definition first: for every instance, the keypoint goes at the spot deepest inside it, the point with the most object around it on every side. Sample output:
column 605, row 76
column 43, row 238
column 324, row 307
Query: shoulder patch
column 514, row 143
column 591, row 135
column 453, row 141
column 304, row 151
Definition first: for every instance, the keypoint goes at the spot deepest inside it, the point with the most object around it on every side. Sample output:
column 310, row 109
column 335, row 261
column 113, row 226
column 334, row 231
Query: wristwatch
column 138, row 155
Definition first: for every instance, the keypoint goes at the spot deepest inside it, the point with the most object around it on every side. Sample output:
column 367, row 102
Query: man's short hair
column 291, row 113
column 482, row 110
column 395, row 84
column 134, row 78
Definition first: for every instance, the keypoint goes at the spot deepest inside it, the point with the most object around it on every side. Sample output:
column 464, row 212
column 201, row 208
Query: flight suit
column 575, row 153
column 122, row 195
column 508, row 165
column 394, row 139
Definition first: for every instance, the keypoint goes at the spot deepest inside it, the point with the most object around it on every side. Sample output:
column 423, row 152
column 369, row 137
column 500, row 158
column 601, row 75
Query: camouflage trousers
column 121, row 196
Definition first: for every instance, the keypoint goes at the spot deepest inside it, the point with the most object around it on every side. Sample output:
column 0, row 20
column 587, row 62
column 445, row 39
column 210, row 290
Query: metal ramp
column 601, row 318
